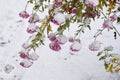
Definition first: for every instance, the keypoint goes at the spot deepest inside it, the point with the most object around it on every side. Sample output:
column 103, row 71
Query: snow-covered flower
column 107, row 24
column 26, row 45
column 34, row 18
column 52, row 37
column 71, row 39
column 95, row 46
column 24, row 14
column 55, row 46
column 32, row 28
column 91, row 4
column 76, row 46
column 62, row 39
column 58, row 4
column 23, row 54
column 33, row 56
column 59, row 19
column 26, row 63
column 113, row 17
column 90, row 15
column 74, row 10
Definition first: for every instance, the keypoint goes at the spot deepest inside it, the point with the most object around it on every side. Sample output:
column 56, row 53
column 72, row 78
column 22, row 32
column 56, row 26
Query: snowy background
column 83, row 65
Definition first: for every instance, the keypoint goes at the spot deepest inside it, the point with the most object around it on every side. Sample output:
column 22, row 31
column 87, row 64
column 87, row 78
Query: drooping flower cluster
column 63, row 13
column 27, row 58
column 57, row 41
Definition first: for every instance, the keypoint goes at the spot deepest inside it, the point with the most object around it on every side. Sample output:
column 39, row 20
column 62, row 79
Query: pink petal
column 23, row 54
column 52, row 37
column 55, row 46
column 26, row 45
column 76, row 46
column 26, row 63
column 24, row 14
column 34, row 18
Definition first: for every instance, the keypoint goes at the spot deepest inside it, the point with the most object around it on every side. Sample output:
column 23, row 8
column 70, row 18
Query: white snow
column 83, row 65
column 60, row 18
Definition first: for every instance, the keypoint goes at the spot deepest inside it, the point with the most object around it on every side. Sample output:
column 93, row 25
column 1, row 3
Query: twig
column 116, row 30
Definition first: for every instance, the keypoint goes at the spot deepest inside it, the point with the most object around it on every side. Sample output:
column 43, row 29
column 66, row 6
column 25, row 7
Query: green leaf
column 110, row 68
column 89, row 27
column 118, row 19
column 36, row 7
column 49, row 28
column 31, row 1
column 118, row 8
column 66, row 25
column 106, row 65
column 102, row 57
column 99, row 53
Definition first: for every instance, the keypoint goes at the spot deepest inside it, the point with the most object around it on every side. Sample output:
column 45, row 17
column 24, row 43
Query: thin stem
column 116, row 30
column 26, row 5
column 102, row 13
column 79, row 32
column 98, row 33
